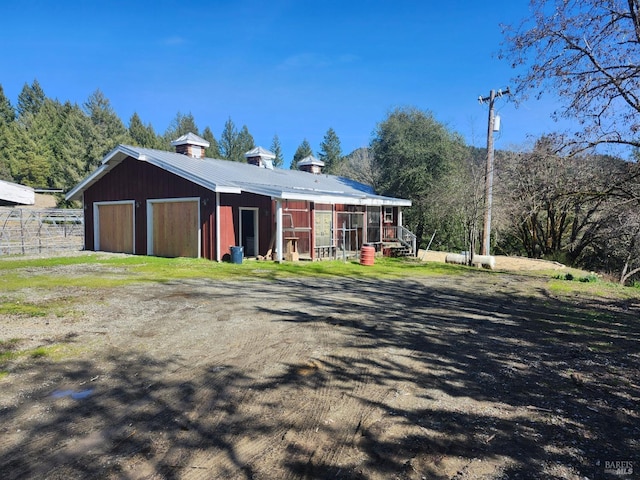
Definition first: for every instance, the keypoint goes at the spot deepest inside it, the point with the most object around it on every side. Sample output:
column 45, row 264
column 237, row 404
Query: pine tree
column 330, row 151
column 304, row 150
column 141, row 135
column 213, row 150
column 229, row 141
column 7, row 113
column 6, row 147
column 71, row 153
column 30, row 99
column 180, row 125
column 276, row 149
column 245, row 143
column 108, row 130
column 26, row 165
column 7, row 116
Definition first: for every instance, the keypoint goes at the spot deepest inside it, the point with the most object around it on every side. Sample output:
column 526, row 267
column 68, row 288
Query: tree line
column 581, row 209
column 45, row 143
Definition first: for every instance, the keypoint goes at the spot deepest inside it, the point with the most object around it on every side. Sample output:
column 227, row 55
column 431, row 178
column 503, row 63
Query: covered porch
column 307, row 230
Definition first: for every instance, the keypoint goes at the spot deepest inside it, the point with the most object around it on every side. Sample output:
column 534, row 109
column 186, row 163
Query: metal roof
column 16, row 194
column 259, row 152
column 234, row 177
column 310, row 160
column 191, row 139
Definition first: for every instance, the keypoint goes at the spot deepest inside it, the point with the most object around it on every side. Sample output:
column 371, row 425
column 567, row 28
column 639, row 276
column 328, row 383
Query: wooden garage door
column 175, row 228
column 115, row 228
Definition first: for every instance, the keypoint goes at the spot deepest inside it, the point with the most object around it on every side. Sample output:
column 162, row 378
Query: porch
column 306, row 231
column 395, row 241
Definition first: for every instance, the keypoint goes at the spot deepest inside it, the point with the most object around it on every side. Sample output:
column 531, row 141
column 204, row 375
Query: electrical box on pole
column 494, row 126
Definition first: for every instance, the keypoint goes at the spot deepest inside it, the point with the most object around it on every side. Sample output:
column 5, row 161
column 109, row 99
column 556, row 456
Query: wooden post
column 279, row 231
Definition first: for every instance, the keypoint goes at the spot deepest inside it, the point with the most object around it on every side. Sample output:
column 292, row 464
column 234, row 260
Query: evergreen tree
column 7, row 113
column 213, row 151
column 330, row 152
column 245, row 143
column 6, row 147
column 304, row 150
column 30, row 99
column 71, row 152
column 229, row 145
column 142, row 135
column 26, row 165
column 418, row 157
column 57, row 135
column 276, row 149
column 7, row 117
column 108, row 130
column 180, row 125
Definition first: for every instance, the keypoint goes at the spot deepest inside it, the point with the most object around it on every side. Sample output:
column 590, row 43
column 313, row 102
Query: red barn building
column 153, row 202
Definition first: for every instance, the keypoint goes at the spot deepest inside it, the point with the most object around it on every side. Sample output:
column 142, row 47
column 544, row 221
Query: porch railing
column 401, row 235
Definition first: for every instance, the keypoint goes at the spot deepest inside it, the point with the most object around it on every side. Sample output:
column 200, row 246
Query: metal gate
column 29, row 231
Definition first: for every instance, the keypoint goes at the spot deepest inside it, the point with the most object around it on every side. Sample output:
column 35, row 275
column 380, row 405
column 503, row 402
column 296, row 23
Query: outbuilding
column 172, row 204
column 12, row 194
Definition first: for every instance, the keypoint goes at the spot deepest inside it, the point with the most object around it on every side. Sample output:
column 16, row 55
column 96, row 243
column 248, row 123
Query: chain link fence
column 40, row 231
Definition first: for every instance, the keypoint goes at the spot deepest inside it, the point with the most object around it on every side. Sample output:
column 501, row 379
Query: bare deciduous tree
column 588, row 51
column 555, row 202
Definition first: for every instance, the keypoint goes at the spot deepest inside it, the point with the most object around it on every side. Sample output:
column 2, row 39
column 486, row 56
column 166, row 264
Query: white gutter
column 345, row 199
column 87, row 181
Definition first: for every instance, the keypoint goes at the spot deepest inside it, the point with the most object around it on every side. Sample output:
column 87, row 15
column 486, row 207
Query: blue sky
column 292, row 68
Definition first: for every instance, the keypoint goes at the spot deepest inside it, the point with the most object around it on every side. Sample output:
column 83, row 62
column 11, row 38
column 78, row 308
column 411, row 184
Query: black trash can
column 236, row 254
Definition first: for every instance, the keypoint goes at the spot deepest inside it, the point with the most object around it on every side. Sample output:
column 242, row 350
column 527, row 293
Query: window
column 196, row 151
column 388, row 214
column 323, row 229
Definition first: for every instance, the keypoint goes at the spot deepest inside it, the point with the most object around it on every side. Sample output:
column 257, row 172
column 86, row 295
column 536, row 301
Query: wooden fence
column 35, row 231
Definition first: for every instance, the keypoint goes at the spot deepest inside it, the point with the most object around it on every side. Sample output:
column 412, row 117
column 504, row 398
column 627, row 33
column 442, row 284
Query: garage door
column 114, row 232
column 175, row 228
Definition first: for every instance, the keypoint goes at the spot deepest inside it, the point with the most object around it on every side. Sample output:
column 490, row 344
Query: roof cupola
column 260, row 157
column 311, row 164
column 191, row 145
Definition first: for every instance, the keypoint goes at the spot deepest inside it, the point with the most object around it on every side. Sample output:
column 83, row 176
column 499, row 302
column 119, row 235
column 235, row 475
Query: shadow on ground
column 418, row 380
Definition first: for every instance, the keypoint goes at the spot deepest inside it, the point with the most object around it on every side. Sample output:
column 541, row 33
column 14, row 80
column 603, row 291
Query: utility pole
column 488, row 179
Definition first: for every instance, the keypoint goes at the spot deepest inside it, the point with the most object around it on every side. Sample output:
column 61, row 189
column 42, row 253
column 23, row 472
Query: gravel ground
column 481, row 376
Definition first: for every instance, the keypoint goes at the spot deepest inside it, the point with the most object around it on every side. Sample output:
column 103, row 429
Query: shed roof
column 234, row 177
column 14, row 193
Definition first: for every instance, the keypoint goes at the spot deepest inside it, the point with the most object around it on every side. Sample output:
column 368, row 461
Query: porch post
column 217, row 226
column 399, row 217
column 279, row 230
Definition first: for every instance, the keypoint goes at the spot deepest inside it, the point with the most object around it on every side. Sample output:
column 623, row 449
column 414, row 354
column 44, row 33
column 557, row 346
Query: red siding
column 230, row 216
column 139, row 181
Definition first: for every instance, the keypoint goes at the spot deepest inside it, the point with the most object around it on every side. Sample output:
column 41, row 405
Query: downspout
column 279, row 231
column 217, row 226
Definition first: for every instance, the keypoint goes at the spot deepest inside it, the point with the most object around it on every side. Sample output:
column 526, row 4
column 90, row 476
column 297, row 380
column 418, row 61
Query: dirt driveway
column 465, row 377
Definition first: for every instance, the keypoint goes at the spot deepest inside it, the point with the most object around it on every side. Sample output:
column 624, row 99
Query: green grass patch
column 598, row 288
column 60, row 307
column 22, row 309
column 9, row 351
column 108, row 272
